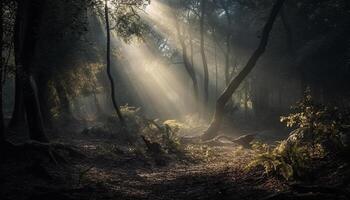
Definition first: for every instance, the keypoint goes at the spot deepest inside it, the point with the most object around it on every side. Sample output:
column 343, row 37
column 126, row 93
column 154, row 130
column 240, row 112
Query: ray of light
column 165, row 89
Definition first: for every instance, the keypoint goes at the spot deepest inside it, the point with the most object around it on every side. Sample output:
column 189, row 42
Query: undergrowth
column 155, row 131
column 320, row 132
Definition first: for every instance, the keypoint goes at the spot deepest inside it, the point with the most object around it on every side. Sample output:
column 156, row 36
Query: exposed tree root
column 244, row 140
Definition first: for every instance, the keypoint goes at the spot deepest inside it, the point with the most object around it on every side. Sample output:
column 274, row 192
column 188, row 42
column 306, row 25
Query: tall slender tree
column 2, row 124
column 108, row 63
column 185, row 57
column 204, row 58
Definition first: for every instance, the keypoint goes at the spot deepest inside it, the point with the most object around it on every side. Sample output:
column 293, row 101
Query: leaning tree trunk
column 234, row 83
column 204, row 58
column 109, row 73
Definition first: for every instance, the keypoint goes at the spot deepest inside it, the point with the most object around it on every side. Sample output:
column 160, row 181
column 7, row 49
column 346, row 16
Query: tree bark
column 289, row 33
column 228, row 42
column 204, row 58
column 63, row 98
column 234, row 83
column 216, row 70
column 2, row 123
column 17, row 118
column 18, row 115
column 109, row 73
column 29, row 18
column 292, row 49
column 44, row 100
column 227, row 60
column 190, row 40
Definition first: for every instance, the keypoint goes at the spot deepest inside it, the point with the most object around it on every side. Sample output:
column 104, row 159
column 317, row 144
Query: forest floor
column 102, row 170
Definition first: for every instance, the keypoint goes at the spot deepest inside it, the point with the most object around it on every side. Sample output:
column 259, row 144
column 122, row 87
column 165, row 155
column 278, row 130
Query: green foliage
column 110, row 126
column 319, row 132
column 124, row 17
column 166, row 135
column 324, row 123
column 290, row 162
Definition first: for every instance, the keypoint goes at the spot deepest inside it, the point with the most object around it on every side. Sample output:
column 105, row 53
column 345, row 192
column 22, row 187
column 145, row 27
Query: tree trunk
column 292, row 50
column 228, row 74
column 33, row 113
column 63, row 98
column 190, row 40
column 109, row 73
column 97, row 104
column 289, row 34
column 216, row 70
column 234, row 84
column 187, row 63
column 2, row 123
column 18, row 115
column 30, row 14
column 246, row 90
column 18, row 118
column 204, row 58
column 44, row 100
column 227, row 60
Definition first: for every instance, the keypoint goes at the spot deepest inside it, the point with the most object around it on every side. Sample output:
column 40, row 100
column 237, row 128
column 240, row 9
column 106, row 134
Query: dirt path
column 215, row 173
column 107, row 171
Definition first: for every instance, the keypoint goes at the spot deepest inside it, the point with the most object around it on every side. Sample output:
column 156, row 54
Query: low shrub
column 319, row 132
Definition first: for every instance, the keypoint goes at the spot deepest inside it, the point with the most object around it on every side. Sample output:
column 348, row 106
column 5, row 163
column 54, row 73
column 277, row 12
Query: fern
column 290, row 162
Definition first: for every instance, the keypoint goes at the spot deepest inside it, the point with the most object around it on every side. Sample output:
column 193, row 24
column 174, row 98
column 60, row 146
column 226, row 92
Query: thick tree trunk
column 204, row 58
column 110, row 77
column 18, row 115
column 30, row 14
column 234, row 84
